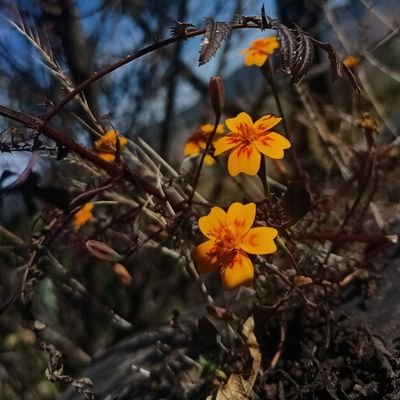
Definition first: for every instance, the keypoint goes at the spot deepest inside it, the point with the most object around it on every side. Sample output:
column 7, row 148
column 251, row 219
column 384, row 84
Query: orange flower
column 247, row 140
column 105, row 147
column 259, row 50
column 351, row 62
column 230, row 239
column 83, row 215
column 197, row 142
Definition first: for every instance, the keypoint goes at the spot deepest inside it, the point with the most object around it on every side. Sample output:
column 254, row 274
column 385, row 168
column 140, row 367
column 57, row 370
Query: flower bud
column 217, row 94
column 102, row 251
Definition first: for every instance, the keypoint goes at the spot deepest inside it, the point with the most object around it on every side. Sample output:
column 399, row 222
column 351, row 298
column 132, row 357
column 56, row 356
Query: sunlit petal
column 240, row 217
column 225, row 143
column 191, row 148
column 109, row 138
column 270, row 44
column 239, row 272
column 265, row 123
column 257, row 59
column 235, row 124
column 83, row 215
column 208, row 128
column 209, row 160
column 213, row 224
column 244, row 159
column 259, row 240
column 123, row 141
column 205, row 257
column 272, row 145
column 110, row 157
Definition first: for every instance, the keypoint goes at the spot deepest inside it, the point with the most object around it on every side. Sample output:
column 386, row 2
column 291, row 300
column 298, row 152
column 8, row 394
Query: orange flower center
column 227, row 245
column 246, row 134
column 259, row 48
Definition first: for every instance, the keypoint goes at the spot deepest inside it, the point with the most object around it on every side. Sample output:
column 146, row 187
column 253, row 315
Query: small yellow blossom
column 105, row 147
column 247, row 140
column 259, row 50
column 83, row 215
column 230, row 239
column 198, row 141
column 351, row 62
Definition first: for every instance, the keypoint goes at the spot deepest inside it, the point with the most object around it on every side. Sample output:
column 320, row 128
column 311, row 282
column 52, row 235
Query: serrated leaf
column 336, row 64
column 288, row 44
column 304, row 55
column 216, row 32
column 335, row 61
column 297, row 49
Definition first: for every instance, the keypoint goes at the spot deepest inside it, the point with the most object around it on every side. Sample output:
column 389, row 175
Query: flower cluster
column 231, row 238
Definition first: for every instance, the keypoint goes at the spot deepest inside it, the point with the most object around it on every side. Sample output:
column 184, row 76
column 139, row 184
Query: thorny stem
column 131, row 57
column 112, row 169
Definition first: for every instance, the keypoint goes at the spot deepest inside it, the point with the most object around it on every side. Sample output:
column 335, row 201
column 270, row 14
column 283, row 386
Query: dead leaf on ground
column 237, row 387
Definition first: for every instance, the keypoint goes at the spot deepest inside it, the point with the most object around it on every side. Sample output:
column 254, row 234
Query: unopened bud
column 217, row 94
column 102, row 251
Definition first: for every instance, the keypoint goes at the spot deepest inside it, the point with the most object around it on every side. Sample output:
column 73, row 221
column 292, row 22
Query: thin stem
column 203, row 156
column 268, row 73
column 262, row 174
column 129, row 58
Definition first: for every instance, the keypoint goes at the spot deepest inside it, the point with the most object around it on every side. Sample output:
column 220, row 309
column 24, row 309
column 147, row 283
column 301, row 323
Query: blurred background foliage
column 162, row 97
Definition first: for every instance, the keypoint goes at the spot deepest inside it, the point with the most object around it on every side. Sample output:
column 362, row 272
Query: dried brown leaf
column 238, row 387
column 216, row 32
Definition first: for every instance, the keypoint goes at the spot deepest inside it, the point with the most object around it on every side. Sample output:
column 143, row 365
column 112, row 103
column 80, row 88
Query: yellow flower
column 105, row 147
column 351, row 62
column 247, row 140
column 197, row 142
column 259, row 50
column 83, row 215
column 230, row 239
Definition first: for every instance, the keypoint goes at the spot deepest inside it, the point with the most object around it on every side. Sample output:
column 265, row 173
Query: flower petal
column 225, row 143
column 110, row 157
column 108, row 139
column 191, row 148
column 208, row 160
column 239, row 272
column 122, row 141
column 259, row 240
column 208, row 128
column 213, row 224
column 234, row 124
column 240, row 217
column 255, row 58
column 244, row 159
column 272, row 145
column 265, row 123
column 270, row 44
column 205, row 257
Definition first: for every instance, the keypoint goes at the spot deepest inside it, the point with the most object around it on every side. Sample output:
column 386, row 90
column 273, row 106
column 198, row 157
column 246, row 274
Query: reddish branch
column 129, row 58
column 112, row 169
column 345, row 237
